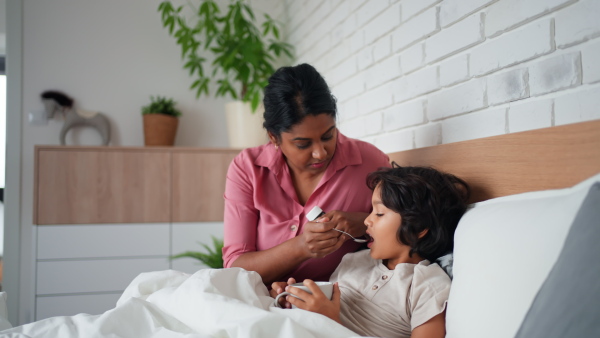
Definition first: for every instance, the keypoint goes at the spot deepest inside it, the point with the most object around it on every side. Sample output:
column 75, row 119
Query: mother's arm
column 241, row 231
column 272, row 264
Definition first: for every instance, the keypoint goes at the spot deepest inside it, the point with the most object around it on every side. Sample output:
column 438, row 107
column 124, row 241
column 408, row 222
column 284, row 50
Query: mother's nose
column 319, row 152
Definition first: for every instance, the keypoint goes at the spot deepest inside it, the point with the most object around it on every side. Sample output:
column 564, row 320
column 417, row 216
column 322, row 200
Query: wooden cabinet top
column 95, row 185
column 144, row 149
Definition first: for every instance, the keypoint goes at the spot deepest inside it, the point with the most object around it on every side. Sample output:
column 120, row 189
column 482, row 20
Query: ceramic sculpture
column 58, row 102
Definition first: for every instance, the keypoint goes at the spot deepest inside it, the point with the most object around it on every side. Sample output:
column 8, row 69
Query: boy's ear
column 423, row 233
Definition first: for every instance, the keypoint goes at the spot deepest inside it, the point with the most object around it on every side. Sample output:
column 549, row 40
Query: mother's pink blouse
column 262, row 208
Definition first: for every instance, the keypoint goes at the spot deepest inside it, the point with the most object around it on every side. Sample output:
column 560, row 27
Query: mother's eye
column 302, row 145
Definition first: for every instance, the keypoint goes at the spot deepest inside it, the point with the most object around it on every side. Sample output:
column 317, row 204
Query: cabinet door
column 199, row 184
column 102, row 185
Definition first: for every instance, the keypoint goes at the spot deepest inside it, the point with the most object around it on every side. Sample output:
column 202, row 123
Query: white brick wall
column 404, row 115
column 453, row 10
column 504, row 15
column 578, row 22
column 513, row 47
column 507, row 86
column 555, row 73
column 457, row 37
column 412, row 7
column 456, row 100
column 412, row 58
column 454, row 70
column 476, row 125
column 532, row 114
column 415, row 29
column 590, row 60
column 577, row 106
column 416, row 73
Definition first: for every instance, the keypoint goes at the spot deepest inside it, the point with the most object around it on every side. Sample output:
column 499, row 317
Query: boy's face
column 382, row 225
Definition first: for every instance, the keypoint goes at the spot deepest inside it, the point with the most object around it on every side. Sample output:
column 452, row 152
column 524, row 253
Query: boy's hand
column 279, row 287
column 317, row 302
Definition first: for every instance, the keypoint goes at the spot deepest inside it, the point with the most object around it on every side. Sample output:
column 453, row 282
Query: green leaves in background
column 244, row 54
column 213, row 258
column 161, row 105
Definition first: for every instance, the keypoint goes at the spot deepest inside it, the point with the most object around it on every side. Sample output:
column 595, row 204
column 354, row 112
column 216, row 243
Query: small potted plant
column 212, row 259
column 160, row 121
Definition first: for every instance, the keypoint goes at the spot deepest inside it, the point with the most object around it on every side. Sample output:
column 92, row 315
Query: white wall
column 2, row 27
column 416, row 73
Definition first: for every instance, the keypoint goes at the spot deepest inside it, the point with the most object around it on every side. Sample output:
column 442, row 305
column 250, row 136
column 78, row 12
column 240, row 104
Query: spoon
column 357, row 240
column 317, row 212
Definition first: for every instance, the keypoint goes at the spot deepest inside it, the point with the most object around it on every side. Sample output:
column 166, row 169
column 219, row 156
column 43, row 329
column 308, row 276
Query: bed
column 513, row 248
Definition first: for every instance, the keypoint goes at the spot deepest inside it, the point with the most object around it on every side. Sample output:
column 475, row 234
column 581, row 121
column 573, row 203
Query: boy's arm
column 433, row 328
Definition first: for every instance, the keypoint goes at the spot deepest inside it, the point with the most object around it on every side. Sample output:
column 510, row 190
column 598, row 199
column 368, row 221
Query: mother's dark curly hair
column 426, row 199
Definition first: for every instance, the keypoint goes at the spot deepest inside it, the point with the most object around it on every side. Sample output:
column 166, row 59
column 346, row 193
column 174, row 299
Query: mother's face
column 309, row 145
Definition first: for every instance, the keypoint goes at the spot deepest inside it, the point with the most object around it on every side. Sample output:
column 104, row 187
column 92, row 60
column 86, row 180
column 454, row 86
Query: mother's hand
column 318, row 240
column 350, row 222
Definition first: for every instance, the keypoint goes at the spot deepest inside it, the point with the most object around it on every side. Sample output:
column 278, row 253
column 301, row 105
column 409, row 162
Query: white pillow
column 504, row 249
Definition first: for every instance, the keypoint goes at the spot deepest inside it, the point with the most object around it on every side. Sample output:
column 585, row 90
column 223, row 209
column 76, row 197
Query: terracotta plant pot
column 160, row 129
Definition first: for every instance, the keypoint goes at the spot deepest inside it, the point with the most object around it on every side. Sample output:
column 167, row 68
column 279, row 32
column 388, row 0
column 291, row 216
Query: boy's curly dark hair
column 426, row 199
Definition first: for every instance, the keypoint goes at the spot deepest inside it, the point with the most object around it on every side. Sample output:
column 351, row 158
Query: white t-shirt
column 376, row 301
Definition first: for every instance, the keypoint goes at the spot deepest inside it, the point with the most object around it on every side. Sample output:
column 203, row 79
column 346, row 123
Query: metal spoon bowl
column 357, row 240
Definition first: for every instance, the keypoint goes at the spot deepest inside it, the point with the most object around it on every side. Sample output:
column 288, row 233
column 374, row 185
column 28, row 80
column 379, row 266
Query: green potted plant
column 213, row 258
column 244, row 55
column 160, row 121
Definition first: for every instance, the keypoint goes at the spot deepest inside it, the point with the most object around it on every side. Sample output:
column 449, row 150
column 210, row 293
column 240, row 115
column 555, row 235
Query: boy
column 393, row 289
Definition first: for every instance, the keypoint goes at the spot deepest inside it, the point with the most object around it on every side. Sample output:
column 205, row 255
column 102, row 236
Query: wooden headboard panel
column 549, row 158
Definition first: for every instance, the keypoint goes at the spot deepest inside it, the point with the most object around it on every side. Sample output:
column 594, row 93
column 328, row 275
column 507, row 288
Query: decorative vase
column 244, row 126
column 160, row 129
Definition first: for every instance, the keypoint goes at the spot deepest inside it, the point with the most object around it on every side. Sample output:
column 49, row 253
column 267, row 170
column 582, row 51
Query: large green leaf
column 243, row 55
column 213, row 257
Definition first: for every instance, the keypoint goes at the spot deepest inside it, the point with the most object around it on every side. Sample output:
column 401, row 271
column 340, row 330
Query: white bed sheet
column 210, row 303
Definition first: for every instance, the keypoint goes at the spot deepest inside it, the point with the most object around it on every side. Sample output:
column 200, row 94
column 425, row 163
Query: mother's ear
column 423, row 233
column 274, row 140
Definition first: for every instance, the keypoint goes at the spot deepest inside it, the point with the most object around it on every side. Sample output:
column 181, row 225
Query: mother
column 308, row 162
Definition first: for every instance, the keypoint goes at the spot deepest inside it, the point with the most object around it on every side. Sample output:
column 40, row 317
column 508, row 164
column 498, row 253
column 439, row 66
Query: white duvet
column 210, row 303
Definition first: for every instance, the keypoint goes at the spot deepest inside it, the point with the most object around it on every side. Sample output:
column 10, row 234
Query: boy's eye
column 379, row 215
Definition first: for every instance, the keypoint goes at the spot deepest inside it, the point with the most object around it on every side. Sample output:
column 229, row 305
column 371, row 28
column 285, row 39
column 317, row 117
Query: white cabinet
column 85, row 268
column 187, row 237
column 52, row 306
